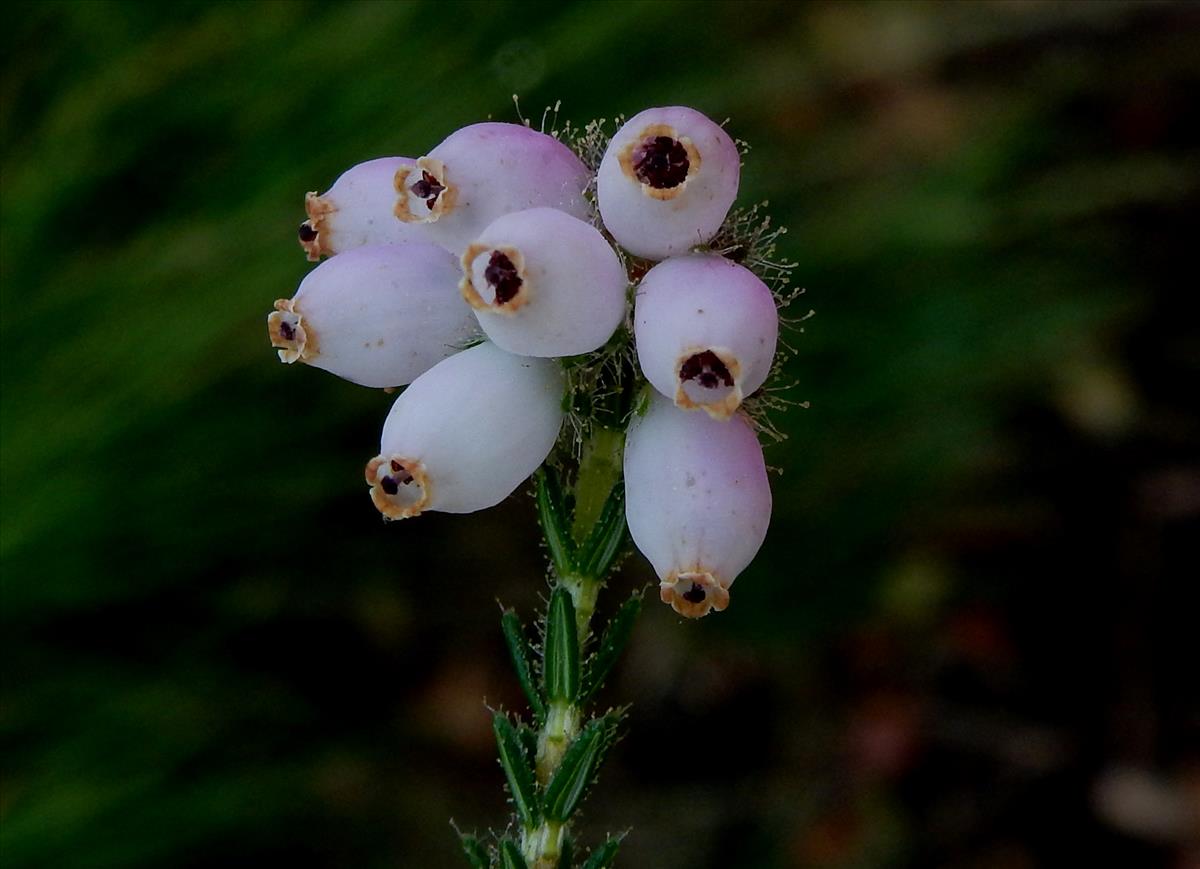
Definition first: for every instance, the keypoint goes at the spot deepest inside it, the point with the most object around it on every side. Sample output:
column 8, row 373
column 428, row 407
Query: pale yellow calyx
column 399, row 486
column 286, row 327
column 423, row 193
column 495, row 278
column 633, row 153
column 314, row 232
column 708, row 379
column 693, row 593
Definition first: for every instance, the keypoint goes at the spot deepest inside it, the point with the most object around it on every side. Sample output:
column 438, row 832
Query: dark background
column 967, row 641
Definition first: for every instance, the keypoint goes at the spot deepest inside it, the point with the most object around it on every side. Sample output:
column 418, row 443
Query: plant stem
column 543, row 844
column 599, row 473
column 584, row 591
column 543, row 848
column 560, row 727
column 600, row 467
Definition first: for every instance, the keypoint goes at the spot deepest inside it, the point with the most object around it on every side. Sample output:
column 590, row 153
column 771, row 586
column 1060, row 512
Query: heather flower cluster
column 487, row 274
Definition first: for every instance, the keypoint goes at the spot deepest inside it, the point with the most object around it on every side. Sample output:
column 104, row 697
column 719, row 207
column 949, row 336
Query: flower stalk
column 552, row 762
column 598, row 478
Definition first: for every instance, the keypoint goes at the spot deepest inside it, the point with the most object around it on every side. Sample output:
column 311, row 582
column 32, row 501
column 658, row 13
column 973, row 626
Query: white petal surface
column 380, row 315
column 478, row 423
column 357, row 210
column 658, row 222
column 572, row 286
column 697, row 497
column 706, row 330
column 488, row 170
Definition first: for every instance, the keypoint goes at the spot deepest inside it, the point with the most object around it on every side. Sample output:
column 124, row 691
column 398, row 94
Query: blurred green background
column 966, row 642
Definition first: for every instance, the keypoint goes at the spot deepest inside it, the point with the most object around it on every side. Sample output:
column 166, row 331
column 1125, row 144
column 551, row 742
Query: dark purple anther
column 661, row 162
column 707, row 369
column 428, row 188
column 502, row 277
column 307, row 233
column 287, row 330
column 695, row 594
column 389, row 485
column 403, row 476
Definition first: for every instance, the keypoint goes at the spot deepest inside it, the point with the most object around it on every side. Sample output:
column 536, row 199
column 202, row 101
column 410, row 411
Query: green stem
column 543, row 847
column 560, row 727
column 584, row 591
column 600, row 468
column 599, row 471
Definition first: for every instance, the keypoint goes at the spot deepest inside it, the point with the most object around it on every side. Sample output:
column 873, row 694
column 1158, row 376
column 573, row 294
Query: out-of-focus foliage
column 965, row 642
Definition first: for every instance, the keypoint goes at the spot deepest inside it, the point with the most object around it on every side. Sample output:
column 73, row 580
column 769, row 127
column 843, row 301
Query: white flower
column 706, row 330
column 378, row 315
column 356, row 210
column 466, row 433
column 697, row 501
column 667, row 181
column 492, row 230
column 483, row 171
column 544, row 283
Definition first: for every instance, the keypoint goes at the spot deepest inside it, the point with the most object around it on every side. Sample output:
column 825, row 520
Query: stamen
column 661, row 162
column 707, row 369
column 693, row 594
column 428, row 188
column 288, row 334
column 400, row 494
column 502, row 276
column 307, row 232
column 402, row 475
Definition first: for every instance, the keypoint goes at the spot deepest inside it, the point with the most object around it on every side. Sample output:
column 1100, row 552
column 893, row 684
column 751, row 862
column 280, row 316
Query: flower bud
column 466, row 433
column 697, row 501
column 483, row 171
column 356, row 210
column 378, row 315
column 667, row 180
column 705, row 330
column 544, row 283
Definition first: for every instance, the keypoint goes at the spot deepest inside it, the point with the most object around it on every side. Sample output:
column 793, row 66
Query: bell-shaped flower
column 697, row 501
column 356, row 210
column 544, row 283
column 706, row 330
column 666, row 182
column 485, row 170
column 378, row 315
column 466, row 433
